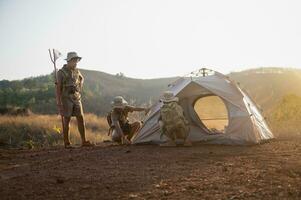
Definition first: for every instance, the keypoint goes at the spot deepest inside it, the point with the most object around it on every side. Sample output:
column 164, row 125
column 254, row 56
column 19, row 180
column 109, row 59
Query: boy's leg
column 66, row 122
column 67, row 113
column 170, row 135
column 82, row 130
column 116, row 137
column 134, row 128
column 81, row 127
column 77, row 111
column 187, row 142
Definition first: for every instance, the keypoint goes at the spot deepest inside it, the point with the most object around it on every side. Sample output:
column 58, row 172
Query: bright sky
column 149, row 38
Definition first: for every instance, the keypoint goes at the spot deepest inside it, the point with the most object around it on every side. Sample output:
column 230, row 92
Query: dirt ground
column 267, row 171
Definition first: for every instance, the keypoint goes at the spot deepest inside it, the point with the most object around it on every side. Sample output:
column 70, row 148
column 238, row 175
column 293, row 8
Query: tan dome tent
column 245, row 123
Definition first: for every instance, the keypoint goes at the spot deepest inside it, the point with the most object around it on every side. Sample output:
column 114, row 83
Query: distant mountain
column 100, row 88
column 267, row 86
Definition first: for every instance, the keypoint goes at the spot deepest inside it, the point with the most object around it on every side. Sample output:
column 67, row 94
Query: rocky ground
column 267, row 171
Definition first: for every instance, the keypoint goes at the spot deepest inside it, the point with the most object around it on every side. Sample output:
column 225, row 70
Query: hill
column 37, row 93
column 267, row 86
column 100, row 88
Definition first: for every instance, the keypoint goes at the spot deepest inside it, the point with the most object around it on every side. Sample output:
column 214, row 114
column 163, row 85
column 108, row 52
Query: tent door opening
column 213, row 113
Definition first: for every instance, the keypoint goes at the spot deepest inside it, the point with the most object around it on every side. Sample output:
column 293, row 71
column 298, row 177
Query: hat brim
column 73, row 57
column 119, row 105
column 175, row 99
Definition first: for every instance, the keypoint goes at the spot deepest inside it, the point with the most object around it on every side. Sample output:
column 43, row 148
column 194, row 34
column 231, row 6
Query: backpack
column 172, row 116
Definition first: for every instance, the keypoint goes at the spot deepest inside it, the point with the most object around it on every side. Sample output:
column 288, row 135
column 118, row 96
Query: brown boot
column 87, row 144
column 170, row 143
column 187, row 143
column 68, row 145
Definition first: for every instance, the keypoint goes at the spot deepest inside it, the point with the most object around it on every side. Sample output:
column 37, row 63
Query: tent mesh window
column 213, row 113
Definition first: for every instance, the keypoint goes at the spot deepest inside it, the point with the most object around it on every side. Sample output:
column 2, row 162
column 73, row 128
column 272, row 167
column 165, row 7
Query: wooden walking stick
column 53, row 58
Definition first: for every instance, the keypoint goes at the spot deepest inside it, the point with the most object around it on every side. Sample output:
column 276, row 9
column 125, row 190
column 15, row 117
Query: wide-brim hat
column 168, row 97
column 72, row 55
column 119, row 102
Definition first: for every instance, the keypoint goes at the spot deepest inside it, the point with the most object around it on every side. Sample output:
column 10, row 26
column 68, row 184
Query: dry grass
column 219, row 125
column 45, row 130
column 285, row 129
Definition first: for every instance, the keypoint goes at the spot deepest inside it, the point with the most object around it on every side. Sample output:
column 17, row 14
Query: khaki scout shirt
column 71, row 82
column 121, row 117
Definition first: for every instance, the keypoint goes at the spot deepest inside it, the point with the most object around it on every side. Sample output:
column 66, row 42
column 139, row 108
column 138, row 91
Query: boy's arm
column 160, row 118
column 116, row 124
column 183, row 114
column 160, row 122
column 82, row 79
column 138, row 109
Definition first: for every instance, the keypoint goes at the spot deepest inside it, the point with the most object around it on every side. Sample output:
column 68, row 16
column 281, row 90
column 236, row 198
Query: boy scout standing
column 70, row 83
column 123, row 129
column 172, row 121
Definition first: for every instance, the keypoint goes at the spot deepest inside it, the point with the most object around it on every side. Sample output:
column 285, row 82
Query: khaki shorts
column 72, row 108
